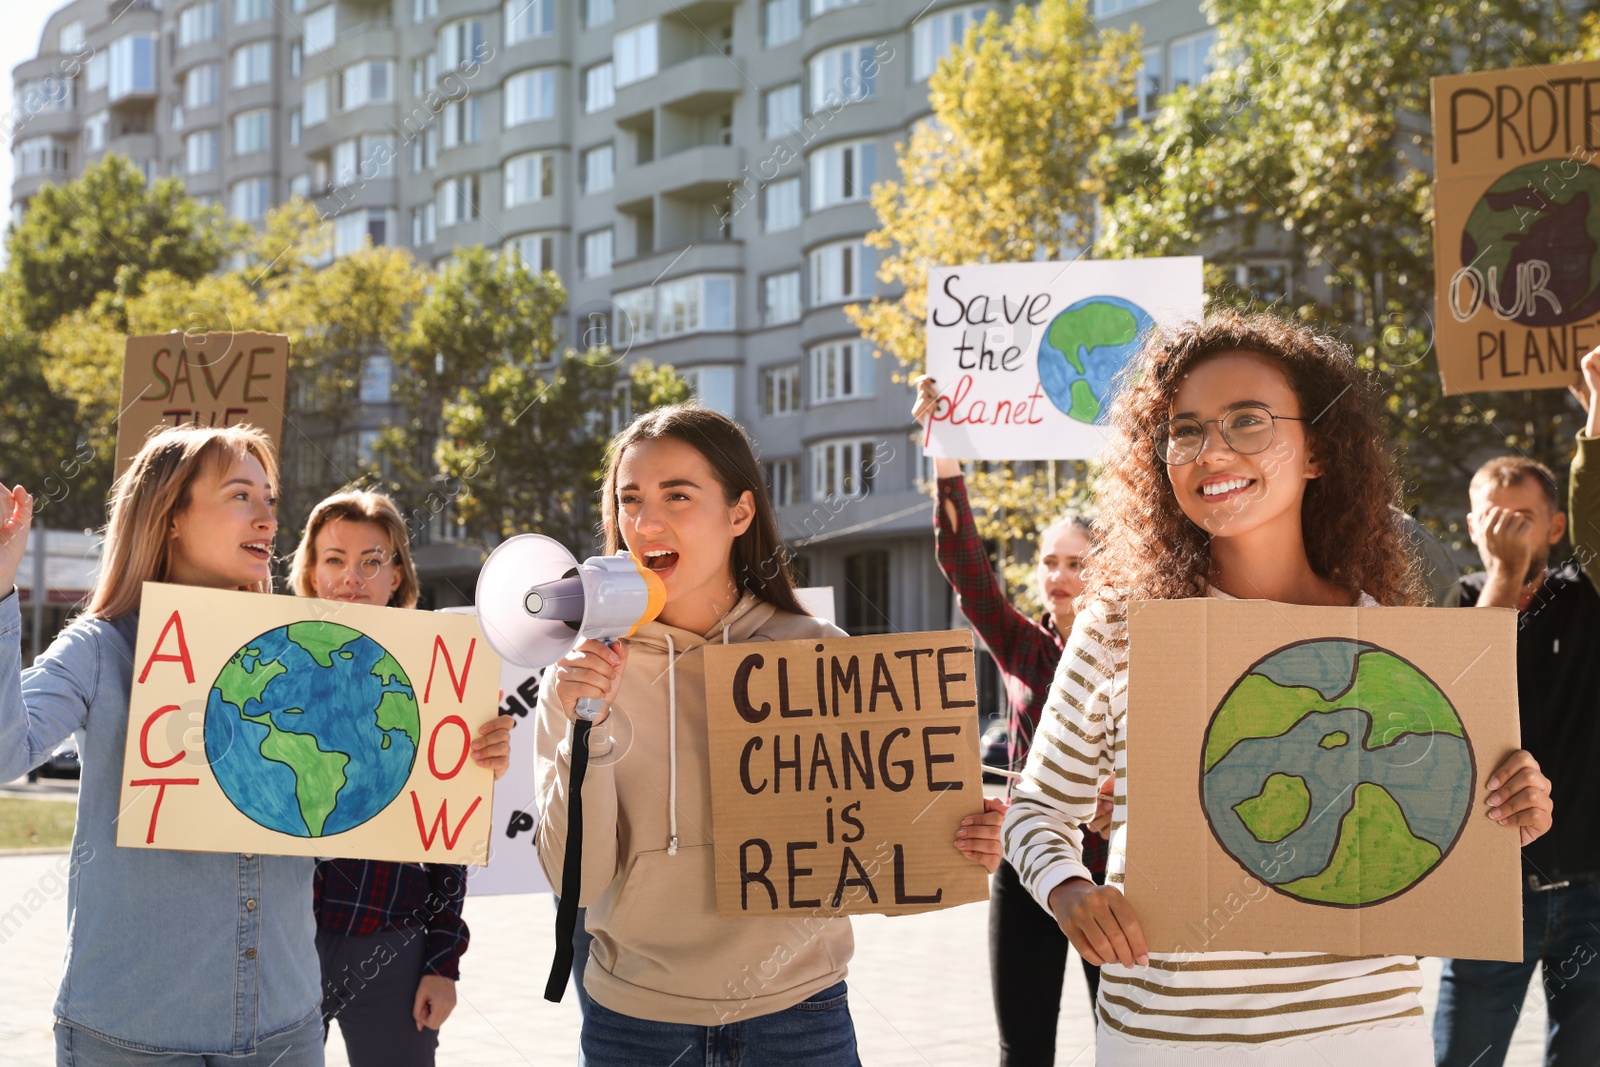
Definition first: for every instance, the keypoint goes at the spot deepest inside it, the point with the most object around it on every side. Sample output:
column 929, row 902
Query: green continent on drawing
column 1336, row 772
column 1082, row 350
column 312, row 729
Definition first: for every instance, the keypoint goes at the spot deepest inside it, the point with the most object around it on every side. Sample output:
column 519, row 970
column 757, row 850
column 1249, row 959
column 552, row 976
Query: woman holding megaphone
column 684, row 495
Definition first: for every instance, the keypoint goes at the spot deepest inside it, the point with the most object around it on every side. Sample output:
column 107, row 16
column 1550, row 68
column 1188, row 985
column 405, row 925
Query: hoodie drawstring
column 672, row 747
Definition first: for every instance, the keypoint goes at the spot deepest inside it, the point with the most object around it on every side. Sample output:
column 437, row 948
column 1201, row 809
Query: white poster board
column 1026, row 354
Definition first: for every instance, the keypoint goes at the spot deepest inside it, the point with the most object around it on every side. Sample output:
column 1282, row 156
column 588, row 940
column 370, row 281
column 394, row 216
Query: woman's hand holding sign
column 979, row 836
column 16, row 515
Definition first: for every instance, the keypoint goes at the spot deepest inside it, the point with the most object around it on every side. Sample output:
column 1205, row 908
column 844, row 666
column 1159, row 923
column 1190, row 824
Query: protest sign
column 1314, row 779
column 201, row 379
column 840, row 772
column 305, row 727
column 1516, row 226
column 1026, row 354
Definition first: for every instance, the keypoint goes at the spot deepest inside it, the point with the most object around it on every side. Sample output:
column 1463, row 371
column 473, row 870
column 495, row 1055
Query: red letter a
column 182, row 656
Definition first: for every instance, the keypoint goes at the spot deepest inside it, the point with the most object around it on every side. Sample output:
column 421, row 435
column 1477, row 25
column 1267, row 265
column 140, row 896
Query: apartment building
column 696, row 171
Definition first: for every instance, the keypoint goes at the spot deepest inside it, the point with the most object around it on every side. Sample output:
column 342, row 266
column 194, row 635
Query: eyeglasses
column 1246, row 431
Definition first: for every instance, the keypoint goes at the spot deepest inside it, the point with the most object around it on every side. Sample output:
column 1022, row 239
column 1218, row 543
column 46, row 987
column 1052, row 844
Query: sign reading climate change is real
column 1516, row 226
column 301, row 727
column 1025, row 354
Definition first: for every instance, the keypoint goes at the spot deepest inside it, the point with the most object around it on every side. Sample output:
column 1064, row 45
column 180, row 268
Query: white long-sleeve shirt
column 1212, row 1001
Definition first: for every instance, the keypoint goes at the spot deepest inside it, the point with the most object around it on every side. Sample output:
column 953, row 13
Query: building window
column 634, row 53
column 843, row 270
column 594, row 259
column 252, row 64
column 703, row 303
column 252, row 131
column 635, row 321
column 936, row 36
column 866, row 593
column 200, row 86
column 783, row 481
column 96, row 74
column 843, row 173
column 250, row 11
column 1192, row 59
column 249, row 199
column 174, row 122
column 781, row 22
column 597, row 169
column 377, row 380
column 530, row 97
column 300, row 185
column 843, row 75
column 1267, row 281
column 132, row 66
column 780, row 111
column 842, row 470
column 458, row 200
column 425, row 150
column 423, row 10
column 1146, row 86
column 840, row 370
column 780, row 209
column 780, row 389
column 463, row 122
column 527, row 19
column 70, row 40
column 320, row 29
column 528, row 178
column 598, row 91
column 368, row 83
column 46, row 94
column 351, row 232
column 780, row 298
column 42, row 155
column 423, row 231
column 1103, row 8
column 536, row 250
column 198, row 22
column 598, row 13
column 97, row 128
column 294, row 126
column 818, row 7
column 346, row 162
column 296, row 59
column 314, row 103
column 200, row 152
column 460, row 43
column 377, row 158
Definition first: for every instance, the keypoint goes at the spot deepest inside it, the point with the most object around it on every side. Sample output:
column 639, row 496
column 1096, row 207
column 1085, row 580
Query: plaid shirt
column 361, row 897
column 1027, row 651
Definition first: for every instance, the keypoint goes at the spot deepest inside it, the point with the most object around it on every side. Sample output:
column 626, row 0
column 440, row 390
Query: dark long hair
column 1149, row 550
column 760, row 560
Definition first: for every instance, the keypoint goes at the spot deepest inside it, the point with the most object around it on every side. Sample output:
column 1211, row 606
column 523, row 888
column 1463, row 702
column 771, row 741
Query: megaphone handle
column 588, row 707
column 571, row 865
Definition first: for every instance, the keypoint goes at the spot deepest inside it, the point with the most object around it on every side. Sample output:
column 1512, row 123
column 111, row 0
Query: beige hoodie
column 660, row 951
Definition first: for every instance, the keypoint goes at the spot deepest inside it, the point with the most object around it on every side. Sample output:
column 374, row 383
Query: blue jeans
column 1479, row 999
column 814, row 1033
column 300, row 1047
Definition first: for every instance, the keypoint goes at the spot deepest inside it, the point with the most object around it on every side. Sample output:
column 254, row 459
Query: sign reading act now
column 840, row 773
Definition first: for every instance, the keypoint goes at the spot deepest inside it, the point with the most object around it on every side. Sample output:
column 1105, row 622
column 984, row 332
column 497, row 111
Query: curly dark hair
column 1147, row 549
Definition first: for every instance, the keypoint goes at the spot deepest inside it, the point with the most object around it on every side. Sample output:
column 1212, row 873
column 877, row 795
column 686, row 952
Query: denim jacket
column 173, row 952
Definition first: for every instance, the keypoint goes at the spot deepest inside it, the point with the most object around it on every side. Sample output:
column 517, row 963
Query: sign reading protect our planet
column 1314, row 779
column 295, row 726
column 1027, row 354
column 1516, row 226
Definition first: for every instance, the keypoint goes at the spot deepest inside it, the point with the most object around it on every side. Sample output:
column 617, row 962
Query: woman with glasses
column 1246, row 462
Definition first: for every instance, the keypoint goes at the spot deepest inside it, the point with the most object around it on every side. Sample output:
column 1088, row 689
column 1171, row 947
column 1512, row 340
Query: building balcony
column 710, row 257
column 703, row 172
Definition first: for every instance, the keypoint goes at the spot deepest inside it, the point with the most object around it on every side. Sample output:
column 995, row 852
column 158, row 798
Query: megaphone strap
column 571, row 865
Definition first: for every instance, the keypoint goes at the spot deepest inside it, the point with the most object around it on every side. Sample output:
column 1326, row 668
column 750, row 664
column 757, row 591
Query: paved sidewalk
column 919, row 985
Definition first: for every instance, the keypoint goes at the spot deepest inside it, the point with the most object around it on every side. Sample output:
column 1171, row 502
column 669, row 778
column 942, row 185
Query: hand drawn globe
column 311, row 729
column 1546, row 211
column 1336, row 772
column 1082, row 350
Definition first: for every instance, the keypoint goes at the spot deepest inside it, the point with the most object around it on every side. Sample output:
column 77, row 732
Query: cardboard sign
column 1026, row 354
column 206, row 379
column 1313, row 779
column 840, row 772
column 302, row 727
column 1516, row 211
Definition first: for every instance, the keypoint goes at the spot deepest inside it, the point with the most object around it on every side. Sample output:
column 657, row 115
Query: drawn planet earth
column 1336, row 772
column 1082, row 350
column 1538, row 212
column 311, row 729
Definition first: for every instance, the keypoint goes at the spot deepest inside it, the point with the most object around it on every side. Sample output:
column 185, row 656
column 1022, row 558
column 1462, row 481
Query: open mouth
column 261, row 550
column 660, row 559
column 1225, row 489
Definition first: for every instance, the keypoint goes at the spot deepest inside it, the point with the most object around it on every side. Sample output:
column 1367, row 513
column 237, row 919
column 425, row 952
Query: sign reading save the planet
column 1516, row 226
column 294, row 726
column 1026, row 355
column 1313, row 779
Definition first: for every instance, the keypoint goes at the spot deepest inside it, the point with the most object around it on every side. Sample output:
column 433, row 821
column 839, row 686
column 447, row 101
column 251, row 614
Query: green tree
column 108, row 230
column 1313, row 140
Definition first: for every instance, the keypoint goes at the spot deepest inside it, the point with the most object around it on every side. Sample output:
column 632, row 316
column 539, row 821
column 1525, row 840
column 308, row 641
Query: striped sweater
column 1206, row 999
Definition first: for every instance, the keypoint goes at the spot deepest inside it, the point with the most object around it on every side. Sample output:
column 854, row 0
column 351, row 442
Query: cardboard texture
column 1516, row 224
column 840, row 772
column 1026, row 354
column 302, row 727
column 208, row 379
column 1313, row 779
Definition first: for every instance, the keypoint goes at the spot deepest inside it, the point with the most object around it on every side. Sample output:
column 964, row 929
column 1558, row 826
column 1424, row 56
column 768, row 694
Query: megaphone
column 536, row 602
